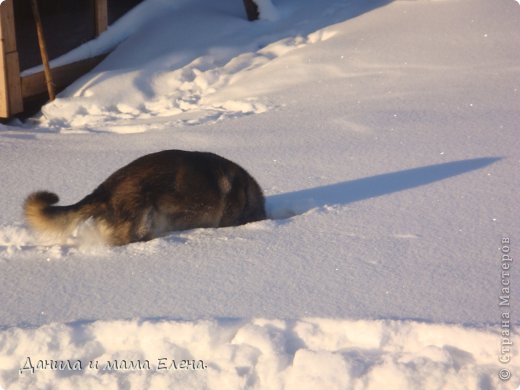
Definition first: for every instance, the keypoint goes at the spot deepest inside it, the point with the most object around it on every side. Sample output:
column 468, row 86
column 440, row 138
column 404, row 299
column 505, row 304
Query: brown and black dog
column 156, row 194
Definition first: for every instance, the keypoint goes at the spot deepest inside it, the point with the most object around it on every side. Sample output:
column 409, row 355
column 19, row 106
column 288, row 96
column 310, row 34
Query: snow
column 266, row 10
column 302, row 354
column 384, row 135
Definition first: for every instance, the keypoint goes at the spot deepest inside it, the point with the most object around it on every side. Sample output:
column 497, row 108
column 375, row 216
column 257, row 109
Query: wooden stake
column 100, row 16
column 251, row 10
column 43, row 50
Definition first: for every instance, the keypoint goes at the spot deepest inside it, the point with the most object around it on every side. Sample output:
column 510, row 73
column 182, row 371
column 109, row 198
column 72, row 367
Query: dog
column 156, row 194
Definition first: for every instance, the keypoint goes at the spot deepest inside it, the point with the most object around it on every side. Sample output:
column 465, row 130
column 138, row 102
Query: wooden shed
column 65, row 24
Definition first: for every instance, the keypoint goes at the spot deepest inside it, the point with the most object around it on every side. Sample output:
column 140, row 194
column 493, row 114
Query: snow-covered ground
column 385, row 137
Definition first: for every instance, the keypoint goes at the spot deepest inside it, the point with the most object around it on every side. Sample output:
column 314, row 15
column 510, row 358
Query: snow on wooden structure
column 66, row 25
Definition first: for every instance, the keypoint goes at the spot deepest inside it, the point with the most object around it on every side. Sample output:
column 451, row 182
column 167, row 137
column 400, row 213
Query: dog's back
column 155, row 194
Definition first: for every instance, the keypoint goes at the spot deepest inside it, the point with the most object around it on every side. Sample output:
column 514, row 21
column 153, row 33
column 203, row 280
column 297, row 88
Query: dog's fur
column 155, row 194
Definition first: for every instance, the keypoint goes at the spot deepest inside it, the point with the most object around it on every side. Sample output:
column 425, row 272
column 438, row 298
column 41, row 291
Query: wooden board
column 10, row 85
column 34, row 84
column 14, row 87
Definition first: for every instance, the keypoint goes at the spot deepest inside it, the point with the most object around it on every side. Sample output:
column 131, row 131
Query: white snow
column 300, row 354
column 385, row 137
column 266, row 10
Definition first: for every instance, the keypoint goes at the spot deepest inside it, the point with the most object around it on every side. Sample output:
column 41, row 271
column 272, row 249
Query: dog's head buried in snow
column 153, row 195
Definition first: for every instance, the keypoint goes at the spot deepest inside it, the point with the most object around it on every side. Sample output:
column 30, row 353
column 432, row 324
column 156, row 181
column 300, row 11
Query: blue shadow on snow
column 298, row 202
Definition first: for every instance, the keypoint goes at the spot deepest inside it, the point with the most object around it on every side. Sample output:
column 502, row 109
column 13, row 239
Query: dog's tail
column 43, row 217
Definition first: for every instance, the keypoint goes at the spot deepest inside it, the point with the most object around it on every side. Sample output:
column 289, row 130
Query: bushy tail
column 43, row 217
